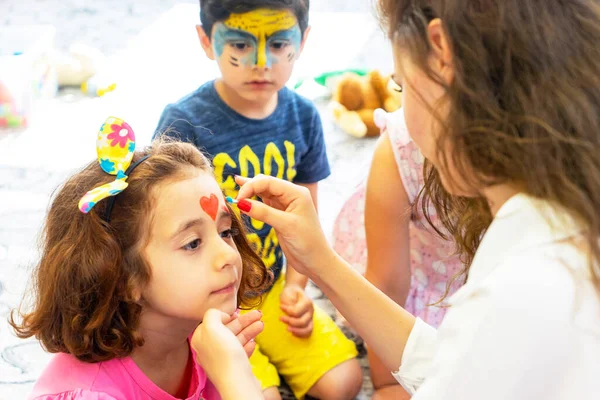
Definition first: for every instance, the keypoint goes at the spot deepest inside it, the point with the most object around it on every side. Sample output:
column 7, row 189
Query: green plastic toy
column 324, row 77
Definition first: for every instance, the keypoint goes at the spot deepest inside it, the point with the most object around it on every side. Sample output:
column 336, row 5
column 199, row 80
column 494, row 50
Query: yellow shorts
column 302, row 362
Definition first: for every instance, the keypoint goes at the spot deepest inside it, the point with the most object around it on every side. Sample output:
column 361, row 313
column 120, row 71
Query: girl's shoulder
column 409, row 158
column 77, row 394
column 66, row 377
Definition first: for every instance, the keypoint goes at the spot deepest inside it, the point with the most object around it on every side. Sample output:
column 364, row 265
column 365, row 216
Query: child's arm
column 294, row 301
column 387, row 215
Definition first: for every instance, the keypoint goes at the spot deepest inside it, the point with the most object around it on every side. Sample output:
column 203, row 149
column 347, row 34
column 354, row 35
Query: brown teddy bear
column 356, row 97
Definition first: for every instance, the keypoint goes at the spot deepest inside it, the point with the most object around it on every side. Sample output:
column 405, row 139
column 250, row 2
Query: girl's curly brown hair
column 524, row 104
column 86, row 281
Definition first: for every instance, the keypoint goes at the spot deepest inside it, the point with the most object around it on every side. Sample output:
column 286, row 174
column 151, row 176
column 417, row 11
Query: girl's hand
column 290, row 210
column 246, row 327
column 222, row 343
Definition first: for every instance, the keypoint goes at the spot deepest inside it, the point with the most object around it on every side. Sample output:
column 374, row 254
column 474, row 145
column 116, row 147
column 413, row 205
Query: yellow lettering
column 247, row 156
column 228, row 185
column 255, row 242
column 257, row 225
column 272, row 153
column 268, row 251
column 290, row 150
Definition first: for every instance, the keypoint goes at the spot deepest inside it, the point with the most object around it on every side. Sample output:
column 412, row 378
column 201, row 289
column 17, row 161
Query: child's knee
column 342, row 382
column 271, row 393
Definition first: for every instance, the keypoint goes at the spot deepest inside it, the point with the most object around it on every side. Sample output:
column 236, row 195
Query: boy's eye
column 280, row 44
column 239, row 45
column 193, row 245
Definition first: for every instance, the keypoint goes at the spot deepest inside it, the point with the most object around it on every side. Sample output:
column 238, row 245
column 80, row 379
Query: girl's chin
column 229, row 308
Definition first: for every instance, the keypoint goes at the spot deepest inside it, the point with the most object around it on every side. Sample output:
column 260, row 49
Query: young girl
column 408, row 260
column 128, row 270
column 502, row 98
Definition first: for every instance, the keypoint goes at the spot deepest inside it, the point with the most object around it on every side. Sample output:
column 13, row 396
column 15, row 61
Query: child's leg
column 326, row 361
column 266, row 374
column 272, row 393
column 385, row 385
column 342, row 382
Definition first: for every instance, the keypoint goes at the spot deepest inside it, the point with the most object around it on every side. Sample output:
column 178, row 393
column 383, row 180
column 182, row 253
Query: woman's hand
column 290, row 210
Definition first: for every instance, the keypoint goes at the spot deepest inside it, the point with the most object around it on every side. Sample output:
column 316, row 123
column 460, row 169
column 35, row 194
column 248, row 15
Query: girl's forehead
column 197, row 198
column 185, row 191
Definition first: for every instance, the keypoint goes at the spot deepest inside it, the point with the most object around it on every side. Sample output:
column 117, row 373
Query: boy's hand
column 299, row 309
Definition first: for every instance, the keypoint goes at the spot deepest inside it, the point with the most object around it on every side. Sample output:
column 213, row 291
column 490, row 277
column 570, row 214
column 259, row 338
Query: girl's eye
column 279, row 44
column 398, row 88
column 229, row 233
column 193, row 245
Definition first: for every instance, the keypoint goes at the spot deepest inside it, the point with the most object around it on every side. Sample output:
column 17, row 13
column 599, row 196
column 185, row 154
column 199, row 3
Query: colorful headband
column 115, row 147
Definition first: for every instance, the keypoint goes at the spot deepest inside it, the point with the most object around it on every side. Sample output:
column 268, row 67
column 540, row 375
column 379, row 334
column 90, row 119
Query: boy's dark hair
column 90, row 272
column 212, row 11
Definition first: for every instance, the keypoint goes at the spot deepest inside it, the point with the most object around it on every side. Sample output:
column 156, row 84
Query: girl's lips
column 227, row 289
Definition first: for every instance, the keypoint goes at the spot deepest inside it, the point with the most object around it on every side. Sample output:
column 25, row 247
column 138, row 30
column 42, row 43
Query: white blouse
column 526, row 325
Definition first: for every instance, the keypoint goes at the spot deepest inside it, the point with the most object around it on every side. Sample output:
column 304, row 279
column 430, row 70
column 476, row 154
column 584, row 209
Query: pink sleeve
column 77, row 394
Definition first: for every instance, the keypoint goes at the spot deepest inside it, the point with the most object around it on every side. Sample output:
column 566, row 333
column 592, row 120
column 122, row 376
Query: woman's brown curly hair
column 524, row 104
column 86, row 281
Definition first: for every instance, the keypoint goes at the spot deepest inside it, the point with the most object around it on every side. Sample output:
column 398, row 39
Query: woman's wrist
column 329, row 268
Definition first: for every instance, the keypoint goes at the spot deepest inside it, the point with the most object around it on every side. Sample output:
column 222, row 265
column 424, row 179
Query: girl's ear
column 137, row 296
column 136, row 291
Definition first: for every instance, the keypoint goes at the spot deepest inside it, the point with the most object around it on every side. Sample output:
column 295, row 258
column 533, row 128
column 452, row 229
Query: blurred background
column 66, row 65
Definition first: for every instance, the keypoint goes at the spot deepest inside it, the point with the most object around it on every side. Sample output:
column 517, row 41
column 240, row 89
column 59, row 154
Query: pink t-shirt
column 67, row 378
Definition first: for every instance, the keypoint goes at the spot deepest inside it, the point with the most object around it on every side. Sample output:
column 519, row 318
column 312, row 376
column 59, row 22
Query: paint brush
column 231, row 200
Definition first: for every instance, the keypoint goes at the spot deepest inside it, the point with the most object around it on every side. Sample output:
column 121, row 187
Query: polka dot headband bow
column 115, row 146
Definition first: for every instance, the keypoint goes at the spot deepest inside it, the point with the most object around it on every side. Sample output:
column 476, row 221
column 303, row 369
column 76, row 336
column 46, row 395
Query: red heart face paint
column 210, row 205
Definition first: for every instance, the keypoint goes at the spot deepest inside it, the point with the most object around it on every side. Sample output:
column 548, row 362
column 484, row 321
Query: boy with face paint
column 250, row 123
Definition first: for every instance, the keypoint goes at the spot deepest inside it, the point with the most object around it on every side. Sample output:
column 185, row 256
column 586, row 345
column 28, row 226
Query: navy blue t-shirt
column 288, row 144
